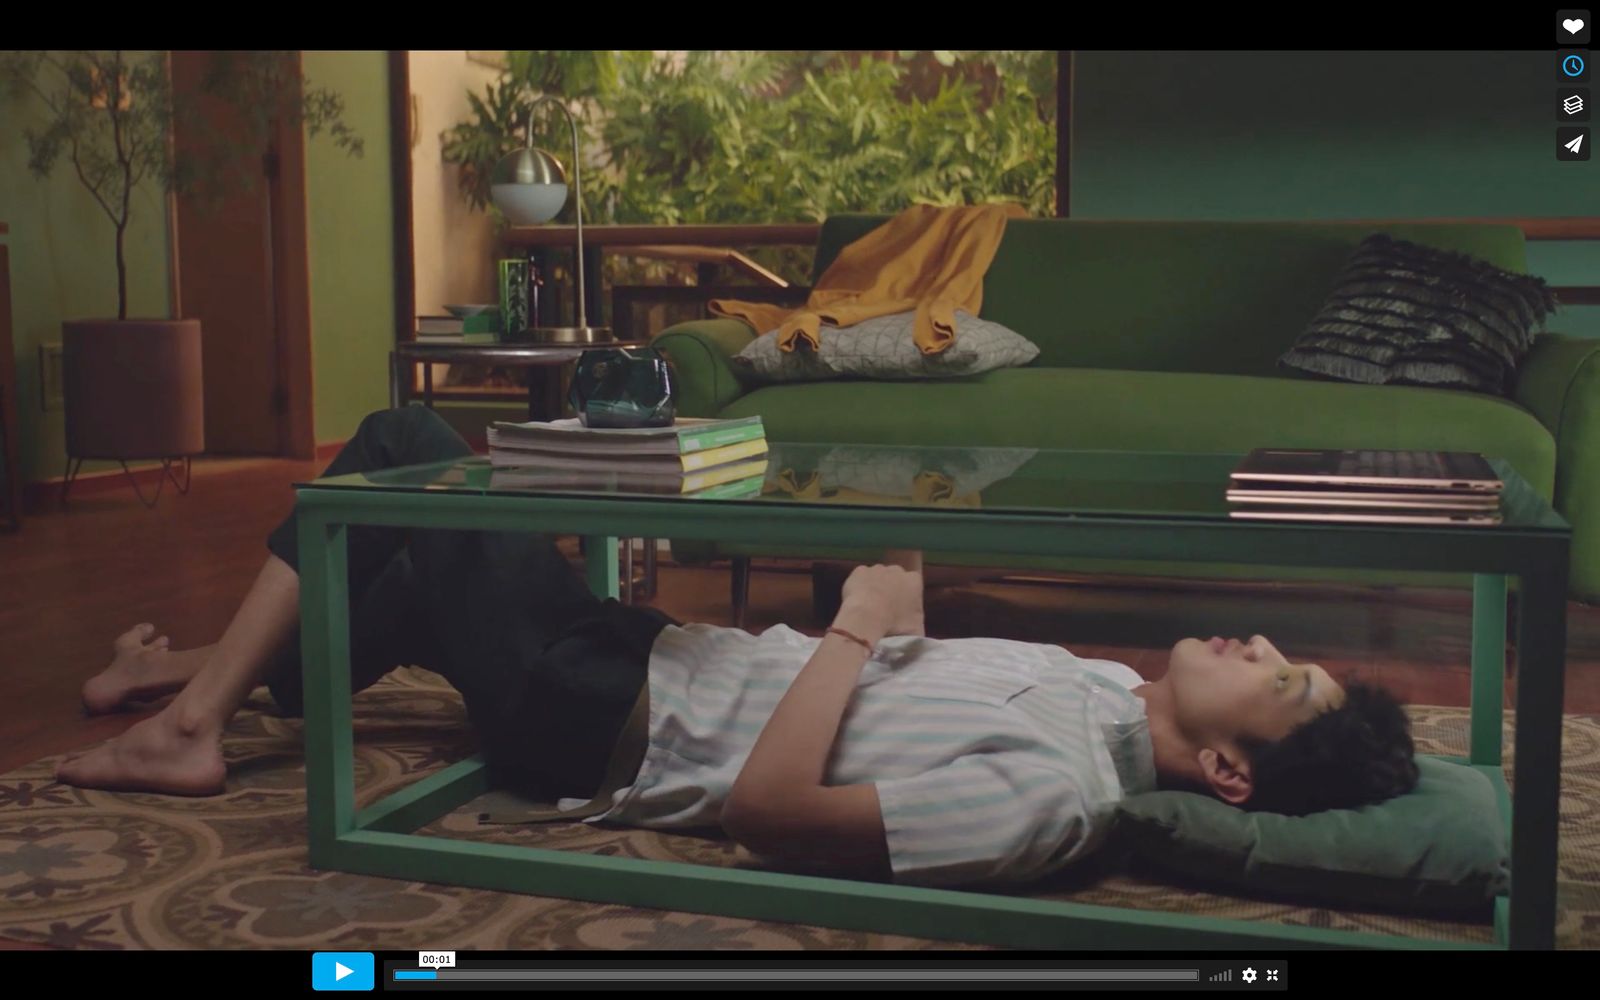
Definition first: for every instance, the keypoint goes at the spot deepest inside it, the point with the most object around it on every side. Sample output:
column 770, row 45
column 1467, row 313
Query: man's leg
column 144, row 668
column 177, row 751
column 548, row 671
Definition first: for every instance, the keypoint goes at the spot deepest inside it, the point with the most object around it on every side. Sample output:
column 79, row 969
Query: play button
column 342, row 970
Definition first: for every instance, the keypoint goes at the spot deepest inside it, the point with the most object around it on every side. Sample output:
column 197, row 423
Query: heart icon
column 1573, row 25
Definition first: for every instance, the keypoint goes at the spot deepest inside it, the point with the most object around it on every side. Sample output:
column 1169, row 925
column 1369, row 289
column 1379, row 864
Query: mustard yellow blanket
column 928, row 259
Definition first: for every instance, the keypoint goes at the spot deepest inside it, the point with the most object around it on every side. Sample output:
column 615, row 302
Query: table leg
column 325, row 659
column 1488, row 667
column 1536, row 792
column 650, row 568
column 600, row 564
column 427, row 385
column 628, row 592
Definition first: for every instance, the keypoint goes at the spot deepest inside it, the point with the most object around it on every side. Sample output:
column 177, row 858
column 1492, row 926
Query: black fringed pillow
column 1405, row 314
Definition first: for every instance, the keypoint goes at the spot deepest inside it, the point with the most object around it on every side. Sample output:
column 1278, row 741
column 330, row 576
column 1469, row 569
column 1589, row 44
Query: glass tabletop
column 995, row 480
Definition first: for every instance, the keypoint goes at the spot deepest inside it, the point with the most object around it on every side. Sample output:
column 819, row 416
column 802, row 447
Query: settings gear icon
column 1249, row 975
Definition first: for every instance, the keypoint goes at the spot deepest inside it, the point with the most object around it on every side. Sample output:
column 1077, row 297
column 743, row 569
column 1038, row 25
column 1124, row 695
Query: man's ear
column 1227, row 774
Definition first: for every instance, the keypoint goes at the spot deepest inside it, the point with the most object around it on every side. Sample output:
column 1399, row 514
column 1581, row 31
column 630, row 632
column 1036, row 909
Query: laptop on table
column 1366, row 486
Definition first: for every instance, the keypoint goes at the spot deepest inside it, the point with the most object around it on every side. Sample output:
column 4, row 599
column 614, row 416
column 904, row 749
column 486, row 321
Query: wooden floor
column 71, row 581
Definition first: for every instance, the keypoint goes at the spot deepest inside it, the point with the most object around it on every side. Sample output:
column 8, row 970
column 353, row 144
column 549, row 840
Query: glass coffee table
column 1128, row 506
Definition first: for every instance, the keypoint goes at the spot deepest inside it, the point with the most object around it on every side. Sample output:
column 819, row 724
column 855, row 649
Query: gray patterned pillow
column 892, row 472
column 882, row 348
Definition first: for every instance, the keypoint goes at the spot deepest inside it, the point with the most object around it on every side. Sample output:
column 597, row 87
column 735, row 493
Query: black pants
column 547, row 670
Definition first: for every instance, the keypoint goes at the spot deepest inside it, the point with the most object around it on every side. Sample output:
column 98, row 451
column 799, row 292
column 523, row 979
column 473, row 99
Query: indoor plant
column 133, row 386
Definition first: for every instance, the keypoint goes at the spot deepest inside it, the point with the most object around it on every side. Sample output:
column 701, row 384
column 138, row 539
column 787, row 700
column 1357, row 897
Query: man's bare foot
column 154, row 755
column 142, row 668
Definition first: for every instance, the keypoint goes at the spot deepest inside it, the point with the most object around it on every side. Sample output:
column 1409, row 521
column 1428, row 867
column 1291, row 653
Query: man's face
column 1225, row 691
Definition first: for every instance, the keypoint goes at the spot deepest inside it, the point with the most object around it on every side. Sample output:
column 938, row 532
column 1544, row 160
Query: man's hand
column 880, row 601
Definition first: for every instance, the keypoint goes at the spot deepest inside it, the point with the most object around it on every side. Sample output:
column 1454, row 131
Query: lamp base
column 565, row 335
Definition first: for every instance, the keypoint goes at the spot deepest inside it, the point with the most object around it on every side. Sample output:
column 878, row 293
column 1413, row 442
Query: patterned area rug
column 102, row 870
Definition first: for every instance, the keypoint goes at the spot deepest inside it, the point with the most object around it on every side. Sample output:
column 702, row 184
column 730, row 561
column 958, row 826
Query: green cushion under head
column 1440, row 848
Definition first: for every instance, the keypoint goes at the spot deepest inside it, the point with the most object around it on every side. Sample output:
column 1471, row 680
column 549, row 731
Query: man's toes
column 135, row 637
column 160, row 642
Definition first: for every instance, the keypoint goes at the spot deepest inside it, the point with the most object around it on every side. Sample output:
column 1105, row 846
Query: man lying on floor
column 873, row 752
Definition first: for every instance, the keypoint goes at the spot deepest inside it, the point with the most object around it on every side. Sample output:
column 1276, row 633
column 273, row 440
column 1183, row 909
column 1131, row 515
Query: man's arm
column 778, row 805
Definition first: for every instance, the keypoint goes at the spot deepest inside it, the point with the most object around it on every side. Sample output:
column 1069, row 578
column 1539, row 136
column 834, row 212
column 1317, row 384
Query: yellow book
column 713, row 457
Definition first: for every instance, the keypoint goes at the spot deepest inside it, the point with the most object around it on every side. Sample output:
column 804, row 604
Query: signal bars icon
column 1225, row 976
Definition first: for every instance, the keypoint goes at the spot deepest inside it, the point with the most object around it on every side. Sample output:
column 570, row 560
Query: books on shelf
column 482, row 328
column 685, row 436
column 1365, row 487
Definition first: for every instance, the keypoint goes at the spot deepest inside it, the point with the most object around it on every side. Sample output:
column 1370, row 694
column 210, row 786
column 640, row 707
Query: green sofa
column 1164, row 336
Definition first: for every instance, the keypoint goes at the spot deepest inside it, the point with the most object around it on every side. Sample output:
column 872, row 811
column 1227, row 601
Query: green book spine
column 717, row 437
column 481, row 323
column 727, row 491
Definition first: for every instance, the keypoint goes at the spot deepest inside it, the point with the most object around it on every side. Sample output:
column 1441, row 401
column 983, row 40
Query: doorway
column 240, row 267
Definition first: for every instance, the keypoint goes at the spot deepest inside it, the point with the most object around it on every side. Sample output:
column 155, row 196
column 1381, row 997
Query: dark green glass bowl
column 623, row 387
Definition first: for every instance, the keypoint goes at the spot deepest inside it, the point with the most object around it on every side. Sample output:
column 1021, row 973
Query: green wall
column 1299, row 135
column 64, row 266
column 352, row 247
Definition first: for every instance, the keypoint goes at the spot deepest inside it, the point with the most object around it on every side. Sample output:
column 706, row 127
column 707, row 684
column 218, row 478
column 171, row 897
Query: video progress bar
column 797, row 974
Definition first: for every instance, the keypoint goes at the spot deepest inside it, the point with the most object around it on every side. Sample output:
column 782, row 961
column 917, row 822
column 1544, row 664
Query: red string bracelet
column 864, row 644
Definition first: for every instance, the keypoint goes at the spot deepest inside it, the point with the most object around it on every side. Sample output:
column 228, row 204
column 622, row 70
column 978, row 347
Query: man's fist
column 882, row 600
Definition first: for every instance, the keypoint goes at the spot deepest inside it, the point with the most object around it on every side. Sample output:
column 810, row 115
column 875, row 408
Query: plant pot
column 133, row 388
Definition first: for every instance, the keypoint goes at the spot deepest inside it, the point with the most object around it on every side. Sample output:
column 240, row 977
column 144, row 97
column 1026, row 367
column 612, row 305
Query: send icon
column 342, row 970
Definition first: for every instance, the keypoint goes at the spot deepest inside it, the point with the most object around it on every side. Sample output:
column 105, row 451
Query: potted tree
column 133, row 386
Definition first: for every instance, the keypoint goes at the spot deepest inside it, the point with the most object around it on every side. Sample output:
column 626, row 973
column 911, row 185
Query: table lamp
column 530, row 187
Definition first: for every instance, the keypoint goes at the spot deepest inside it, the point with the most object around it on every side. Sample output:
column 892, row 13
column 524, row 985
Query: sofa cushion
column 883, row 348
column 1405, row 314
column 1097, row 409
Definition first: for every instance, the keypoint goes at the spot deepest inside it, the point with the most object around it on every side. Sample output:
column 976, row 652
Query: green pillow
column 1441, row 847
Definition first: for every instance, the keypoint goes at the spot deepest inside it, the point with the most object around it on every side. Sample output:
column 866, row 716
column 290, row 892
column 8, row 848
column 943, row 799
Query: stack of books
column 706, row 458
column 481, row 328
column 1455, row 488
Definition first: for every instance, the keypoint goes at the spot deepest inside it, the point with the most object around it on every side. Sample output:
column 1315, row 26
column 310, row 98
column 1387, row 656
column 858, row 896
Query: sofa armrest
column 1554, row 375
column 702, row 353
column 1559, row 382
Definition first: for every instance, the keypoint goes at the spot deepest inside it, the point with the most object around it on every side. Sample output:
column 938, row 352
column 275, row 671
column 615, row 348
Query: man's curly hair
column 1355, row 755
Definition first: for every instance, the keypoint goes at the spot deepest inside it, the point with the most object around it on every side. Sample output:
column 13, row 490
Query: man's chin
column 1188, row 654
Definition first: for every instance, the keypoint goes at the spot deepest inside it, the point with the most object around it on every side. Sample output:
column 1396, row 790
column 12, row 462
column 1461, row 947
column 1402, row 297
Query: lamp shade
column 529, row 186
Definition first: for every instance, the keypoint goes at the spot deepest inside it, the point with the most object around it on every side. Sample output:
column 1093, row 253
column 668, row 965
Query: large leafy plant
column 111, row 115
column 778, row 136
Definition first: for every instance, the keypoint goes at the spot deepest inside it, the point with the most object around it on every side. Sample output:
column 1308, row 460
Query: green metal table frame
column 380, row 839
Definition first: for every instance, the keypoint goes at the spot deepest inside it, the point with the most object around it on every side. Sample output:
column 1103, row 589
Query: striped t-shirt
column 994, row 760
